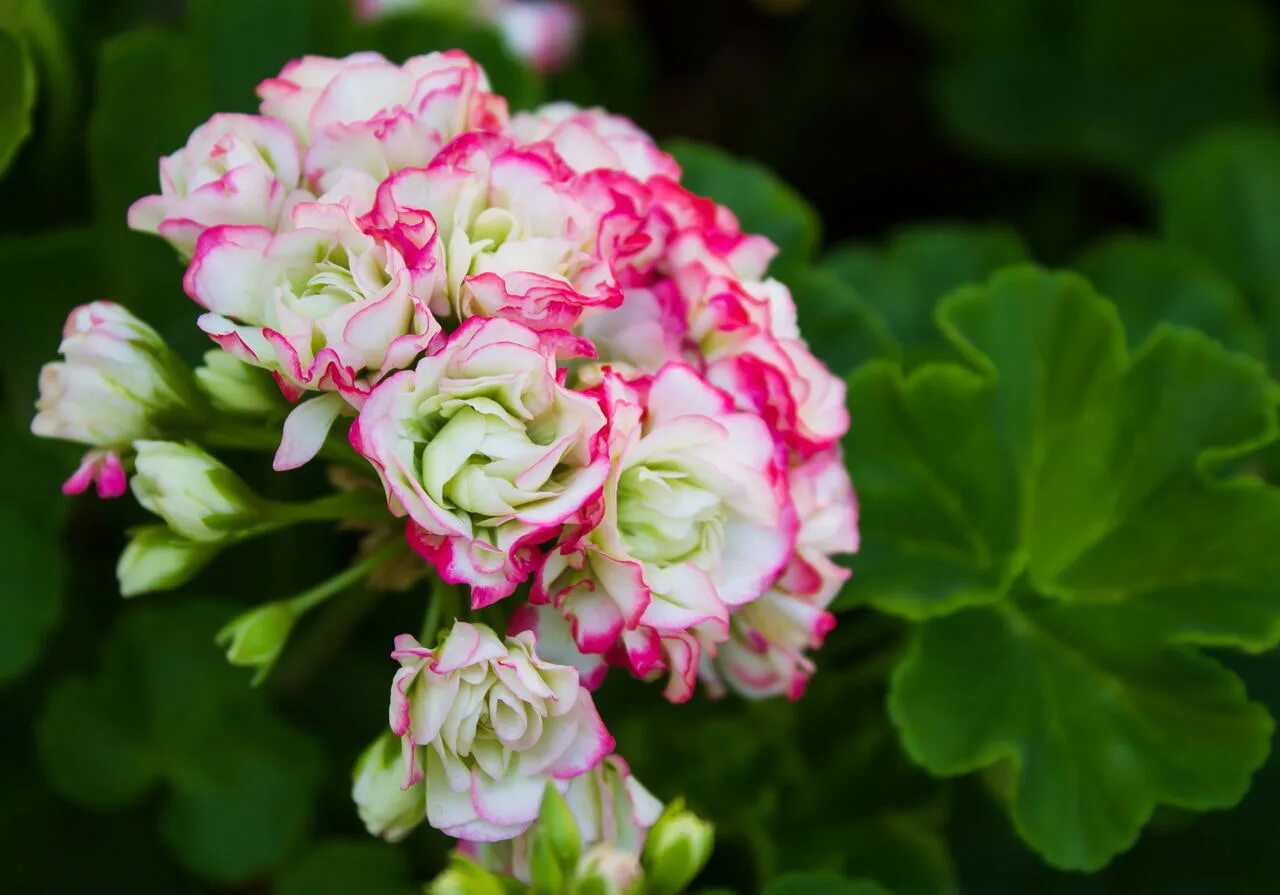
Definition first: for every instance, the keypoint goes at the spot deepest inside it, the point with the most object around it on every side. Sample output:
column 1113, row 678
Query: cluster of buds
column 569, row 387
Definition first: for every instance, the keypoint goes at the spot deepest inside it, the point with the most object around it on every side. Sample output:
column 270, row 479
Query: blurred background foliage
column 898, row 150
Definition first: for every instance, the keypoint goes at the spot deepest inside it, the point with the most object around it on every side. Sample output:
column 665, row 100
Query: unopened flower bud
column 198, row 496
column 608, row 870
column 157, row 559
column 466, row 878
column 117, row 382
column 255, row 638
column 678, row 846
column 387, row 807
column 235, row 387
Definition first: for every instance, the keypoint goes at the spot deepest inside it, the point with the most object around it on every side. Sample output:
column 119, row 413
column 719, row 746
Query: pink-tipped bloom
column 235, row 169
column 488, row 724
column 503, row 230
column 323, row 306
column 609, row 806
column 117, row 382
column 767, row 651
column 694, row 520
column 593, row 139
column 486, row 451
column 746, row 333
column 365, row 114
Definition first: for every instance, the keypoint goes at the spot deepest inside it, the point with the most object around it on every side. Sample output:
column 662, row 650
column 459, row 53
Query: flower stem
column 332, row 507
column 443, row 604
column 309, row 599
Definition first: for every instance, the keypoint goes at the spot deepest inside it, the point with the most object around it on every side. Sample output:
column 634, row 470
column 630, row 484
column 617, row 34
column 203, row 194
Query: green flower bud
column 677, row 848
column 157, row 559
column 255, row 639
column 198, row 496
column 387, row 809
column 463, row 877
column 608, row 870
column 238, row 388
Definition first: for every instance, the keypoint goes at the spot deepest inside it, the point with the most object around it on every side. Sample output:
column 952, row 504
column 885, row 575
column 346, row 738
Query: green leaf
column 839, row 325
column 919, row 265
column 763, row 203
column 165, row 709
column 1117, row 84
column 341, row 867
column 240, row 43
column 17, row 94
column 1153, row 282
column 1220, row 196
column 1062, row 495
column 31, row 514
column 1100, row 719
column 822, row 884
column 42, row 266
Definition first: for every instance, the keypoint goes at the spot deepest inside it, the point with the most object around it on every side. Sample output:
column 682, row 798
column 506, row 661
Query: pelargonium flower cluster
column 579, row 391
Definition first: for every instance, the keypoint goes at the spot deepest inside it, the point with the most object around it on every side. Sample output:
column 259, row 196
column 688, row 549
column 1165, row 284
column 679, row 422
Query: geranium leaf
column 822, row 884
column 1100, row 721
column 1117, row 84
column 916, row 268
column 17, row 94
column 339, row 867
column 1221, row 197
column 840, row 326
column 1047, row 505
column 1154, row 282
column 165, row 708
column 31, row 594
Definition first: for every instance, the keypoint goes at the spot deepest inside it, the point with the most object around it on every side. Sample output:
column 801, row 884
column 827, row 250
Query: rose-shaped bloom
column 694, row 520
column 766, row 651
column 235, row 169
column 488, row 724
column 609, row 807
column 590, row 139
column 365, row 114
column 323, row 306
column 502, row 230
column 484, row 449
column 117, row 382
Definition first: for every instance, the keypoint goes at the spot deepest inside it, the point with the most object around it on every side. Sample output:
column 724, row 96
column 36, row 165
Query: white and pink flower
column 323, row 306
column 507, row 232
column 488, row 724
column 593, row 139
column 235, row 169
column 609, row 805
column 486, row 452
column 767, row 651
column 367, row 115
column 117, row 383
column 694, row 520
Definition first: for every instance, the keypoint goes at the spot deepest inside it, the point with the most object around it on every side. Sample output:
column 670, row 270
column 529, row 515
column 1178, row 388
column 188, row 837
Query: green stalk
column 309, row 599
